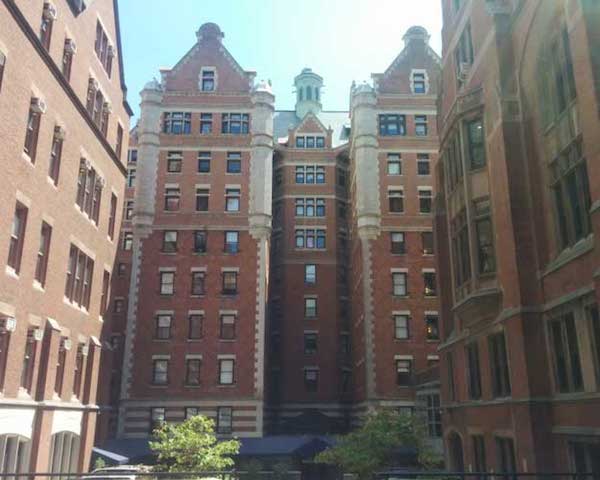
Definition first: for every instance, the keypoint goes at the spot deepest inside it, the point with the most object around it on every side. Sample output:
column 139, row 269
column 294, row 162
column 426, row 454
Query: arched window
column 309, row 93
column 14, row 454
column 64, row 453
column 317, row 94
column 455, row 449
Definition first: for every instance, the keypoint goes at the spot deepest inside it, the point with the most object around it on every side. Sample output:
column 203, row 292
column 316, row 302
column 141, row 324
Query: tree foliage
column 192, row 446
column 370, row 448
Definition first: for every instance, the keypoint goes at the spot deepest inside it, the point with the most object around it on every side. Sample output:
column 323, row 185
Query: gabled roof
column 338, row 121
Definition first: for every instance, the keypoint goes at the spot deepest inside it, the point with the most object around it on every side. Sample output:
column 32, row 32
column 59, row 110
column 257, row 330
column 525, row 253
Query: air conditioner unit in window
column 38, row 334
column 77, row 6
column 38, row 105
column 85, row 349
column 50, row 12
column 8, row 324
column 70, row 46
column 60, row 133
column 66, row 344
column 111, row 51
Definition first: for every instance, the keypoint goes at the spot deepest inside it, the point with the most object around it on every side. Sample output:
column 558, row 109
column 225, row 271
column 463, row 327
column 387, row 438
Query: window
column 5, row 332
column 160, row 371
column 204, row 162
column 227, row 327
column 234, row 162
column 396, row 200
column 434, row 416
column 78, row 377
column 399, row 284
column 450, row 373
column 432, row 327
column 198, row 283
column 60, row 365
column 310, row 142
column 64, row 453
column 230, row 283
column 89, row 191
column 104, row 51
column 401, row 327
column 169, row 241
column 427, row 243
column 310, row 274
column 112, row 216
column 206, row 123
column 310, row 238
column 403, row 372
column 506, row 455
column 310, row 174
column 131, row 174
column 423, row 164
column 310, row 207
column 2, row 66
column 224, row 419
column 476, row 144
column 36, row 109
column 132, row 156
column 41, row 264
column 232, row 242
column 80, row 271
column 121, row 269
column 202, row 195
column 235, row 123
column 17, row 237
column 192, row 371
column 207, row 83
column 105, row 293
column 394, row 164
column 177, row 123
column 67, row 58
column 191, row 412
column 232, row 199
column 311, row 379
column 429, row 284
column 167, row 283
column 226, row 371
column 119, row 305
column 594, row 323
column 129, row 210
column 461, row 248
column 29, row 358
column 418, row 82
column 310, row 307
column 499, row 365
column 172, row 199
column 48, row 17
column 570, row 189
column 392, row 125
column 127, row 241
column 421, row 125
column 310, row 343
column 585, row 459
column 163, row 326
column 398, row 245
column 473, row 370
column 565, row 349
column 119, row 144
column 157, row 418
column 486, row 259
column 195, row 321
column 463, row 55
column 56, row 154
column 174, row 161
column 199, row 241
column 425, row 198
column 479, row 460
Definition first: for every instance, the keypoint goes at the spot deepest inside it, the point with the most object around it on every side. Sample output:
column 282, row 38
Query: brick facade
column 53, row 140
column 517, row 214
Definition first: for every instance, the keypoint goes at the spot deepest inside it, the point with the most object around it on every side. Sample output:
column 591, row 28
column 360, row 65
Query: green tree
column 192, row 446
column 368, row 449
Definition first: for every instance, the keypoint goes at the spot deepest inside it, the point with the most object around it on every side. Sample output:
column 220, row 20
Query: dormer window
column 310, row 141
column 207, row 80
column 418, row 82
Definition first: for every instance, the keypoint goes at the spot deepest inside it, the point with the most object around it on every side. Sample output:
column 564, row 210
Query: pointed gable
column 311, row 124
column 208, row 53
column 417, row 56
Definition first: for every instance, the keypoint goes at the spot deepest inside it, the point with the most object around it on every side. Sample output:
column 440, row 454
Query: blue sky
column 342, row 40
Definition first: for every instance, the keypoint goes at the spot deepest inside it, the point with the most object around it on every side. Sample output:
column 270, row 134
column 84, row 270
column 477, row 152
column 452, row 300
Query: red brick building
column 278, row 282
column 517, row 215
column 64, row 133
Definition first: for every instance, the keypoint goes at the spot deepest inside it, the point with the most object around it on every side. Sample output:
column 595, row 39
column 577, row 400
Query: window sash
column 400, row 284
column 167, row 283
column 226, row 372
column 195, row 326
column 401, row 327
column 163, row 327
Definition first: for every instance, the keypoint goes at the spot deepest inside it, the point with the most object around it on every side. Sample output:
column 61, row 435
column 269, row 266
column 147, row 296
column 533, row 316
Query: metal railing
column 129, row 475
column 441, row 475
